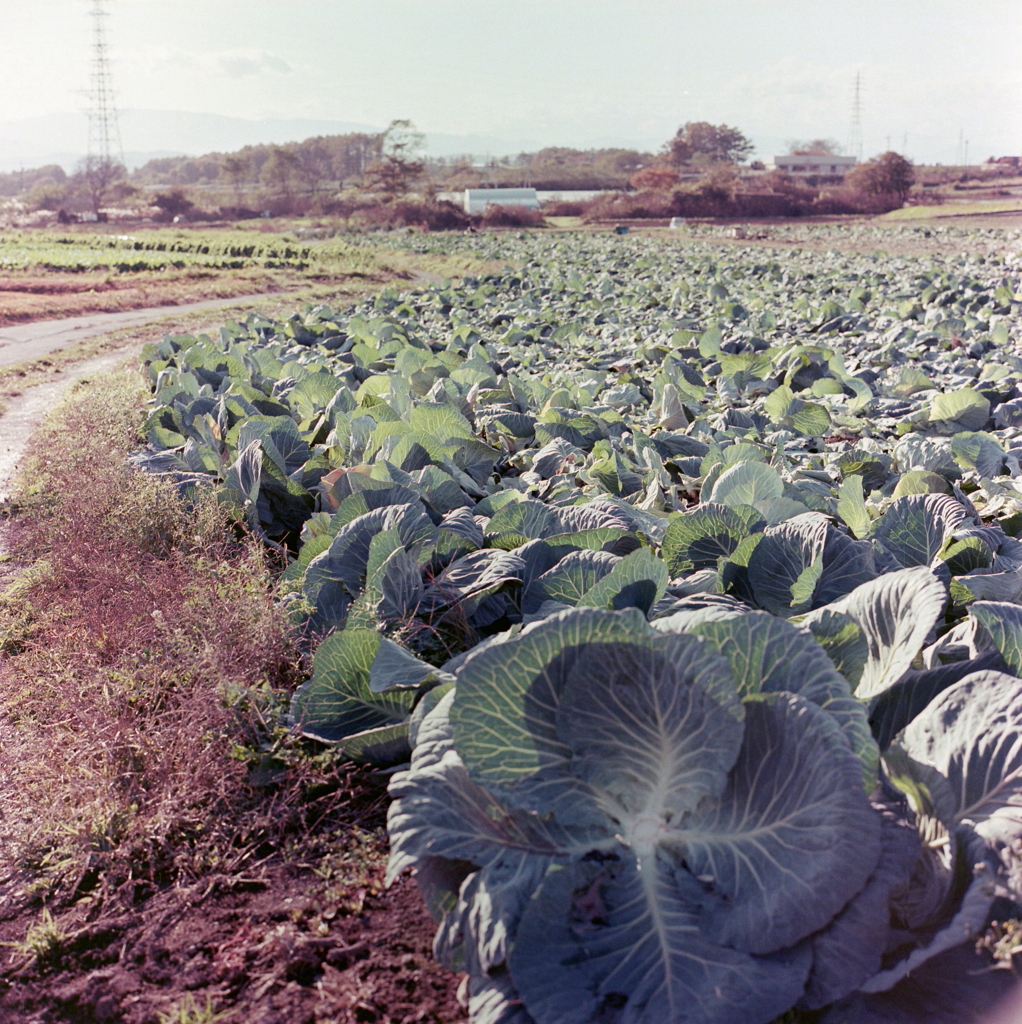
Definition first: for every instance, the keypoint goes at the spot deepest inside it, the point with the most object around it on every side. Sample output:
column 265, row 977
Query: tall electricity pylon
column 104, row 131
column 855, row 134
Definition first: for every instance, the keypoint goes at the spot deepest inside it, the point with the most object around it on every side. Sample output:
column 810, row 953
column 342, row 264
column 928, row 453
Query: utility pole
column 104, row 131
column 855, row 134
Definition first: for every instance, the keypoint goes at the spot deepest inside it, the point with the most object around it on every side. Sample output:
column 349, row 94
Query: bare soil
column 278, row 945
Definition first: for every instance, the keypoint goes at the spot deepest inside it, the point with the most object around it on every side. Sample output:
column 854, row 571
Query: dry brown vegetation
column 27, row 296
column 167, row 845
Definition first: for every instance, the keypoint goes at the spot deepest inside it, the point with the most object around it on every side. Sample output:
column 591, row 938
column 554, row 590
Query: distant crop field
column 45, row 275
column 155, row 250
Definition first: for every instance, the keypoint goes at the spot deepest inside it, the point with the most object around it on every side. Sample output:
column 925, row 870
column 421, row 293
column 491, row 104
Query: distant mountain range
column 147, row 134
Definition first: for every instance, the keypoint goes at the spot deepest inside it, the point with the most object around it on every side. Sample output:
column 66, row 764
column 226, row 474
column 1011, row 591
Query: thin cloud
column 241, row 63
column 238, row 63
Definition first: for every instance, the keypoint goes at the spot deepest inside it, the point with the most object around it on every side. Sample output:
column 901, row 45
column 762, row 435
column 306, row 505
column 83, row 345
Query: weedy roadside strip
column 143, row 664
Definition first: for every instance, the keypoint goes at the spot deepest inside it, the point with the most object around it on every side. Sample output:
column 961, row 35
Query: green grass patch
column 954, row 210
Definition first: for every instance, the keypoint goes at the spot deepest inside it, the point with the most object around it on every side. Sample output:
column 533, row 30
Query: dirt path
column 25, row 413
column 21, row 342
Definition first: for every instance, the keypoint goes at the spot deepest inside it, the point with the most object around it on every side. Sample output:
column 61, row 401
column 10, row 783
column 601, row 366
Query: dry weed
column 146, row 669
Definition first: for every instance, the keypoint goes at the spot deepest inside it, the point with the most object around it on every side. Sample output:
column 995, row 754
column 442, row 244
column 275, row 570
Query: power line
column 104, row 130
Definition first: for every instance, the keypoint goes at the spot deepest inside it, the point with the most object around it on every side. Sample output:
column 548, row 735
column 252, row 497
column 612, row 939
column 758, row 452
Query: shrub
column 142, row 625
column 565, row 208
column 888, row 177
column 442, row 216
column 496, row 216
column 630, row 205
column 655, row 177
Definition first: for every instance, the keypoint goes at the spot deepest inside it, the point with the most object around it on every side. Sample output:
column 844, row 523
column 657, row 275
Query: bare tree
column 97, row 178
column 236, row 169
column 400, row 161
column 814, row 147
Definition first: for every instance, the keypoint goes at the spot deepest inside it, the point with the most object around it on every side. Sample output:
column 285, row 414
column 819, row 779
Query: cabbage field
column 679, row 588
column 150, row 251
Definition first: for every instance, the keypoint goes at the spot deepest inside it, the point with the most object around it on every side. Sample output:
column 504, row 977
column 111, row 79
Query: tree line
column 297, row 175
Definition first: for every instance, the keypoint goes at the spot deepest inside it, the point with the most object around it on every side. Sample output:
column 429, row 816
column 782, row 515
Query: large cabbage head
column 618, row 824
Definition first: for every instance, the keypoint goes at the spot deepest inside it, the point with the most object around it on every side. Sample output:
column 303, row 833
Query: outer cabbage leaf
column 638, row 580
column 977, row 867
column 511, row 732
column 651, row 728
column 686, row 612
column 439, row 814
column 696, row 920
column 897, row 706
column 508, row 694
column 792, row 839
column 347, row 558
column 850, row 948
column 768, row 655
column 964, row 409
column 851, row 507
column 471, row 578
column 955, row 987
column 895, row 613
column 337, row 701
column 916, row 526
column 1003, row 623
column 804, row 563
column 746, row 483
column 569, row 580
column 493, row 1000
column 395, row 668
column 972, row 735
column 697, row 539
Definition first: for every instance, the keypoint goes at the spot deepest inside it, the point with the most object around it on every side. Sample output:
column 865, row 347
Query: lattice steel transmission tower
column 104, row 131
column 855, row 133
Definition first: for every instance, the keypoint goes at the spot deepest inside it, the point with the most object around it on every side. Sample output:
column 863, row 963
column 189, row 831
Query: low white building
column 816, row 165
column 477, row 199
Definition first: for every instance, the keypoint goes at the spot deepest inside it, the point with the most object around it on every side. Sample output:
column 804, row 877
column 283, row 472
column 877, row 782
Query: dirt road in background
column 22, row 342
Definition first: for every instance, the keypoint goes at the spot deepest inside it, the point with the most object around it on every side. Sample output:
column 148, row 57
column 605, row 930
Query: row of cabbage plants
column 161, row 250
column 682, row 588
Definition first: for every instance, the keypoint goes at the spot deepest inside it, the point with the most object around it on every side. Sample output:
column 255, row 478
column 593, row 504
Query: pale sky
column 592, row 72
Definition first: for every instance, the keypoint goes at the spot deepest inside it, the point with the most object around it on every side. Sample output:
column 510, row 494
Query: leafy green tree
column 889, row 174
column 719, row 182
column 701, row 139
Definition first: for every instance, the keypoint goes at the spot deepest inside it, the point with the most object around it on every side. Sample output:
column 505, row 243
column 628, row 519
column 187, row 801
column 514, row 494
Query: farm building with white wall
column 477, row 199
column 817, row 165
